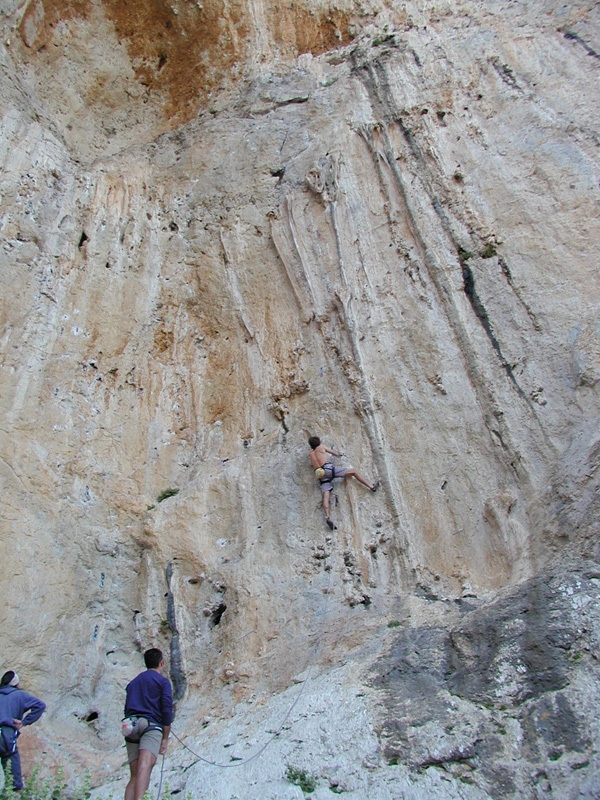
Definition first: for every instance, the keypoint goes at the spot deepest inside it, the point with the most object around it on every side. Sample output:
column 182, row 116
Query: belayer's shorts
column 150, row 741
column 330, row 473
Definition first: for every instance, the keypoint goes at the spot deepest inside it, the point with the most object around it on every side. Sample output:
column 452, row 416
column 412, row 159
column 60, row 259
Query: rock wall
column 229, row 227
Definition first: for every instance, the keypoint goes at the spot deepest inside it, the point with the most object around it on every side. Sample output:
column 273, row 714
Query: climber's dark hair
column 153, row 657
column 314, row 441
column 7, row 677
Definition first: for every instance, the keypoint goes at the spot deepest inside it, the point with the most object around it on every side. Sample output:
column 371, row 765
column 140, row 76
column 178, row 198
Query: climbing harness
column 321, row 473
column 134, row 727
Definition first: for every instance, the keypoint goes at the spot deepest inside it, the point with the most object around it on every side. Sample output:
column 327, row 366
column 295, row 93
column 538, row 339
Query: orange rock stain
column 187, row 50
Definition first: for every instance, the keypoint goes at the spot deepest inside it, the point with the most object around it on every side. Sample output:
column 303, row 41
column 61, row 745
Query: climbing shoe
column 375, row 486
column 330, row 523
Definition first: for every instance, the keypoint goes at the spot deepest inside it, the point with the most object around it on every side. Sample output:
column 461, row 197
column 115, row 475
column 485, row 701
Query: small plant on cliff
column 167, row 493
column 489, row 251
column 301, row 778
column 164, row 627
column 54, row 788
column 464, row 255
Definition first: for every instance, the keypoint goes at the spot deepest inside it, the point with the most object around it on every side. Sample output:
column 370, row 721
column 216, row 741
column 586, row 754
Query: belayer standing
column 326, row 472
column 147, row 724
column 17, row 709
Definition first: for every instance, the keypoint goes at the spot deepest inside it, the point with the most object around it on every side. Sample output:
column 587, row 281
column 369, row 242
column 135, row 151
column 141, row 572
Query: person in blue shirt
column 17, row 709
column 150, row 697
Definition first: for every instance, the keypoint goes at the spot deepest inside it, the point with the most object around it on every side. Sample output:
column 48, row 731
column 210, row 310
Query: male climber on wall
column 326, row 472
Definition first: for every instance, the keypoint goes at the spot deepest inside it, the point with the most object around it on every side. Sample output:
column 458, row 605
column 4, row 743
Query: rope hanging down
column 276, row 733
column 162, row 769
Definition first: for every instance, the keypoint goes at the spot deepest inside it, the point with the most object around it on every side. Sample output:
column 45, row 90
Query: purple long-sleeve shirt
column 149, row 695
column 17, row 704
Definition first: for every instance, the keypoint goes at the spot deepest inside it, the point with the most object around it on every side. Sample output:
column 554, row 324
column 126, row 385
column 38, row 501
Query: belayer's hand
column 163, row 747
column 18, row 724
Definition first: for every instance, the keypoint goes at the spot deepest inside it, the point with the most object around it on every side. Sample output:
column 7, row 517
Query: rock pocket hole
column 216, row 615
column 82, row 240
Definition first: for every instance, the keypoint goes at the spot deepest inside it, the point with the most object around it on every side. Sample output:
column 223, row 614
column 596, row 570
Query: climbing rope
column 276, row 733
column 162, row 769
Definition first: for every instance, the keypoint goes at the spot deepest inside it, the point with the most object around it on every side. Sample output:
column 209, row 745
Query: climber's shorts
column 150, row 741
column 330, row 474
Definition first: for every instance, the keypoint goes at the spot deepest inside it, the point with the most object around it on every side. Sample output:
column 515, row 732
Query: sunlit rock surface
column 227, row 227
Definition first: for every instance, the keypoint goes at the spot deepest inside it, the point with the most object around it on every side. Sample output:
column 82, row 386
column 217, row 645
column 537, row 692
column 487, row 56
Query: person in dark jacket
column 17, row 709
column 148, row 696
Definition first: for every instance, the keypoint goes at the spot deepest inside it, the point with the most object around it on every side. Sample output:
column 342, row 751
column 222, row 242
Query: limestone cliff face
column 227, row 227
